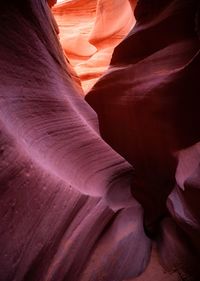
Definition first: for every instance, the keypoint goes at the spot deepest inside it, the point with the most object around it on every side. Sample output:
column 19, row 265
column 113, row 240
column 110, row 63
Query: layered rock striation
column 72, row 206
column 65, row 198
column 89, row 31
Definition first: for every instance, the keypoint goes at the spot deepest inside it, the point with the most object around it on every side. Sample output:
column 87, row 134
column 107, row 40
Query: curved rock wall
column 66, row 207
column 65, row 194
column 148, row 108
column 89, row 31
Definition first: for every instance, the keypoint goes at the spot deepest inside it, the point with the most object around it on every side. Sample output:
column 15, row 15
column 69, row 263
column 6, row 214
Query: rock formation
column 72, row 208
column 65, row 193
column 98, row 26
column 148, row 109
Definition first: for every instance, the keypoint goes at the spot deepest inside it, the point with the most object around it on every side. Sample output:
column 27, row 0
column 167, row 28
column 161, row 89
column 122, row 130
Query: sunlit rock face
column 148, row 107
column 89, row 31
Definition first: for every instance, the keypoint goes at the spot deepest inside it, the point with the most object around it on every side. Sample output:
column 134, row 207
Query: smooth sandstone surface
column 148, row 109
column 89, row 31
column 66, row 207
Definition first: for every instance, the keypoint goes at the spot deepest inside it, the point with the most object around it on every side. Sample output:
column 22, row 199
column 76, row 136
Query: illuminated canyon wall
column 98, row 26
column 111, row 194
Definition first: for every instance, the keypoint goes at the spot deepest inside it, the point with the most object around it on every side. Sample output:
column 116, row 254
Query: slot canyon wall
column 104, row 187
column 98, row 26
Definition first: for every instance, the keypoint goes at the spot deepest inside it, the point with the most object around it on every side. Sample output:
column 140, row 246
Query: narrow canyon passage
column 99, row 140
column 89, row 30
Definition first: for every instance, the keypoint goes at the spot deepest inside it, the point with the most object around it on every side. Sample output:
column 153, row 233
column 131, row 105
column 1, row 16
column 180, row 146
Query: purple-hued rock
column 58, row 205
column 148, row 106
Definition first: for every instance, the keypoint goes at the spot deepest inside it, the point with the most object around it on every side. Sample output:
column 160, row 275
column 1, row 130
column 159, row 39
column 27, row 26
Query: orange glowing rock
column 113, row 21
column 89, row 31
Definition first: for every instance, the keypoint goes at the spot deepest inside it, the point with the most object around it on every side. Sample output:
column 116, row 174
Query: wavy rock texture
column 181, row 236
column 66, row 209
column 148, row 107
column 89, row 31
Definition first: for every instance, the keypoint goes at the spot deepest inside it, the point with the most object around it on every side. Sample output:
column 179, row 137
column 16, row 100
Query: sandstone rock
column 183, row 205
column 89, row 29
column 114, row 19
column 57, row 177
column 148, row 107
column 66, row 208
